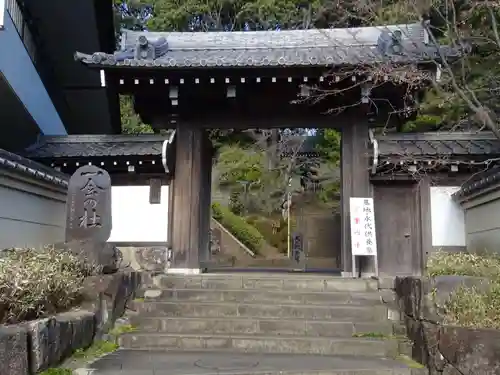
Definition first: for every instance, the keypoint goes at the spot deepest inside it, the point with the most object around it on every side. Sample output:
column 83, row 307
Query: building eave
column 436, row 151
column 480, row 184
column 258, row 49
column 24, row 166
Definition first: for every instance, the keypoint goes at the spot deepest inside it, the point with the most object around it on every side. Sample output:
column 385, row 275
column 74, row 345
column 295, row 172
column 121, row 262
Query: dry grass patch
column 470, row 307
column 37, row 283
column 464, row 264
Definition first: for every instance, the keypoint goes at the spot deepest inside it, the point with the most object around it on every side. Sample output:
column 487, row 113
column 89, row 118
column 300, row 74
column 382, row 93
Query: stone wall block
column 471, row 351
column 66, row 334
column 13, row 350
column 43, row 343
column 444, row 349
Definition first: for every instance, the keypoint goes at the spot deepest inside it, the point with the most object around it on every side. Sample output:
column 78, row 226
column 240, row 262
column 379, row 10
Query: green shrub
column 276, row 237
column 36, row 283
column 238, row 227
column 236, row 206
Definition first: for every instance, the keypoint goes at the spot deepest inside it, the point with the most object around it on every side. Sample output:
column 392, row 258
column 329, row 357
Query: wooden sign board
column 88, row 206
column 155, row 191
column 363, row 235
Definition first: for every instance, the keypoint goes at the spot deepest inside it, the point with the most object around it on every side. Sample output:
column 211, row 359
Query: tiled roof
column 97, row 146
column 392, row 146
column 477, row 183
column 28, row 167
column 323, row 47
column 438, row 144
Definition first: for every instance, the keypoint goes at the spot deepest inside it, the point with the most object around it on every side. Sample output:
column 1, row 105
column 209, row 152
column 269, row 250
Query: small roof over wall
column 97, row 146
column 287, row 48
column 133, row 155
column 480, row 183
column 20, row 165
column 434, row 150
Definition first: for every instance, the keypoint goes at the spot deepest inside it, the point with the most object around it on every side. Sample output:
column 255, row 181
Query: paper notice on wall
column 363, row 237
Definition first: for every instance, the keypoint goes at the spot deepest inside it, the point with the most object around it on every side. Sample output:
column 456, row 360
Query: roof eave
column 88, row 60
column 33, row 169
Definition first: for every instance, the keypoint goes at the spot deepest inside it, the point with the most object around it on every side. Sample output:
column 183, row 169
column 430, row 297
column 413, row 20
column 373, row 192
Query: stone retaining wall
column 445, row 349
column 34, row 346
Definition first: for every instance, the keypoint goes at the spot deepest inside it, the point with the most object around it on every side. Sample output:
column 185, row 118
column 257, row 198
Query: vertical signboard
column 363, row 236
column 2, row 14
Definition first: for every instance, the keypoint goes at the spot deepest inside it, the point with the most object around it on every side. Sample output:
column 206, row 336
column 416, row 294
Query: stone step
column 262, row 344
column 161, row 362
column 263, row 296
column 339, row 313
column 266, row 327
column 262, row 281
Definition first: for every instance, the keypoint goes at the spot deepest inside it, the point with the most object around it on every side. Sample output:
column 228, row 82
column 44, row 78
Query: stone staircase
column 266, row 314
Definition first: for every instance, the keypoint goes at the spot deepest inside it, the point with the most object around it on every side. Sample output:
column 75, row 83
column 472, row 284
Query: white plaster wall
column 31, row 214
column 17, row 67
column 447, row 217
column 135, row 219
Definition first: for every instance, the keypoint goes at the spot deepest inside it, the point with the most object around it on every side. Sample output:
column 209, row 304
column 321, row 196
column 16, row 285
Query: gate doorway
column 276, row 204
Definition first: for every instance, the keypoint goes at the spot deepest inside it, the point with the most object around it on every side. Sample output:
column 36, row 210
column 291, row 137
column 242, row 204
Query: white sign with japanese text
column 363, row 238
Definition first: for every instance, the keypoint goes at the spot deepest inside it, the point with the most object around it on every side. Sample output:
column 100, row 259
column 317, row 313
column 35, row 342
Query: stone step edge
column 261, row 275
column 354, row 371
column 339, row 306
column 316, row 304
column 264, row 337
column 144, row 288
column 258, row 319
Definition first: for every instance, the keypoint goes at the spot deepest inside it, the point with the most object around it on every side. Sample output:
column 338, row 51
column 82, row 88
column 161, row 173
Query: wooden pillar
column 191, row 215
column 206, row 197
column 355, row 177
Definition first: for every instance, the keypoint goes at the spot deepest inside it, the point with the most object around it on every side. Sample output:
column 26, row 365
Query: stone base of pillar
column 183, row 271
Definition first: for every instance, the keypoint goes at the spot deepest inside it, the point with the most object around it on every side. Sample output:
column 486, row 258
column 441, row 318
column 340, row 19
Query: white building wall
column 135, row 220
column 32, row 213
column 447, row 217
column 17, row 67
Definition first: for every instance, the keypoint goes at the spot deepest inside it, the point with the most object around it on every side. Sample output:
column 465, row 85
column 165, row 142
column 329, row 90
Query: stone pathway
column 243, row 324
column 137, row 362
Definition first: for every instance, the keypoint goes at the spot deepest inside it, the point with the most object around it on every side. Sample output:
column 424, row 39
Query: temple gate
column 191, row 82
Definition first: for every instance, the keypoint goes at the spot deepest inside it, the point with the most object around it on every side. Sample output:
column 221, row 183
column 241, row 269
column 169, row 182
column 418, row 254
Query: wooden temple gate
column 192, row 82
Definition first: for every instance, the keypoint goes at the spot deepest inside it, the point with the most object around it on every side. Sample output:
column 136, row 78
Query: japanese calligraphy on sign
column 363, row 236
column 88, row 205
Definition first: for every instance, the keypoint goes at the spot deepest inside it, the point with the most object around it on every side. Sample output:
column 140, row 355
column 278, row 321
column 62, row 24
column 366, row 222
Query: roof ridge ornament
column 150, row 50
column 389, row 43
